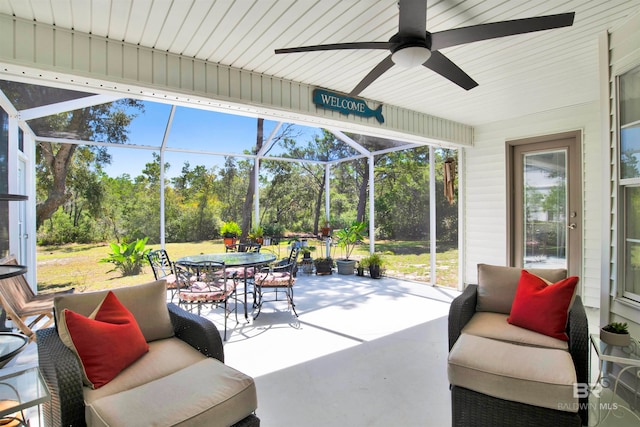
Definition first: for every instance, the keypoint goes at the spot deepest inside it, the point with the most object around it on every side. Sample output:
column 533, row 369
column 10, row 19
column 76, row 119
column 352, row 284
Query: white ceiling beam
column 63, row 107
column 350, row 142
column 269, row 143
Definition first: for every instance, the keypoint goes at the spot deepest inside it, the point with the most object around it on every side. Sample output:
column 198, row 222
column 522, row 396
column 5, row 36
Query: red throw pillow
column 541, row 307
column 107, row 344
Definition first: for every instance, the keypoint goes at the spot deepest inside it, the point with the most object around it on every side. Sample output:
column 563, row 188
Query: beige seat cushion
column 163, row 358
column 536, row 376
column 495, row 326
column 207, row 393
column 497, row 285
column 147, row 303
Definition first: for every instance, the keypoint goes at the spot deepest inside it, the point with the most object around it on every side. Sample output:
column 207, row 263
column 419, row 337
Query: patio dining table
column 231, row 259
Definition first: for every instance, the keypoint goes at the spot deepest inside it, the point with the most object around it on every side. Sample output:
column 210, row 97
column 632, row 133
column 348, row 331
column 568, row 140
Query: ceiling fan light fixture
column 411, row 56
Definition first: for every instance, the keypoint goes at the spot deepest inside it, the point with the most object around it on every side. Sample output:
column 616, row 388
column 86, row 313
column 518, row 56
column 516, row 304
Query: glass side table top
column 21, row 390
column 613, row 353
column 10, row 345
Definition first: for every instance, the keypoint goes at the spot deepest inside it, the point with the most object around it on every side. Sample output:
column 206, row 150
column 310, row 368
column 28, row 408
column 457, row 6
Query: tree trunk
column 58, row 164
column 362, row 196
column 247, row 208
column 318, row 209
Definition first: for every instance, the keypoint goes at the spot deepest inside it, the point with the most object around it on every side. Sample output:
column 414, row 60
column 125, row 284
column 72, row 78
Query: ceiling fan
column 413, row 46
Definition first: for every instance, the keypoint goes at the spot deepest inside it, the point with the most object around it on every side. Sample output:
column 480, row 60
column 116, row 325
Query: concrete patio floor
column 356, row 355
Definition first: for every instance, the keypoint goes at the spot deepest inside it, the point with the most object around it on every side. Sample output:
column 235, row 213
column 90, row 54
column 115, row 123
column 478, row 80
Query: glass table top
column 230, row 259
column 22, row 389
column 613, row 353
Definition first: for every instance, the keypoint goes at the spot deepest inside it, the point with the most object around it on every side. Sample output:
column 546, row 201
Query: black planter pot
column 323, row 268
column 374, row 271
column 360, row 271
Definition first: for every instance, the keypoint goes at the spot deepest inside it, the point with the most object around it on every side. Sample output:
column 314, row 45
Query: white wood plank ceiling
column 517, row 75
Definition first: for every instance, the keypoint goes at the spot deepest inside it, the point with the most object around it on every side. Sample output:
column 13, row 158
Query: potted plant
column 362, row 264
column 230, row 231
column 323, row 266
column 347, row 238
column 326, row 230
column 615, row 333
column 256, row 234
column 374, row 263
column 306, row 251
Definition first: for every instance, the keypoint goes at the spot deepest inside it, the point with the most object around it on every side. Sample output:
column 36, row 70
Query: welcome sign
column 345, row 104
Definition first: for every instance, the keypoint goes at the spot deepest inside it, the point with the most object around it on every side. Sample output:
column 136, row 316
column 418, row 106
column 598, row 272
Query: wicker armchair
column 470, row 408
column 61, row 369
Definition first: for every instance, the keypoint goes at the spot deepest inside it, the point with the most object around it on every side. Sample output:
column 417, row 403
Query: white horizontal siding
column 485, row 189
column 145, row 72
column 623, row 54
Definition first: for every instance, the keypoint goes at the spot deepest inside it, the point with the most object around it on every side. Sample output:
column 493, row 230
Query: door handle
column 572, row 226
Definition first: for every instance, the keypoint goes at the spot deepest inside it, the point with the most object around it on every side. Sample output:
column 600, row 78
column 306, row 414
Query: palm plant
column 349, row 237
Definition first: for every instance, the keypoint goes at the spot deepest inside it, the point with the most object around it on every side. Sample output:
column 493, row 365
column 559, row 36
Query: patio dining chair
column 277, row 278
column 213, row 285
column 163, row 269
column 22, row 305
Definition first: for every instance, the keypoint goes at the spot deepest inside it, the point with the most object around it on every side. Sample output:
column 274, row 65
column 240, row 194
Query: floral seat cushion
column 275, row 278
column 242, row 272
column 201, row 291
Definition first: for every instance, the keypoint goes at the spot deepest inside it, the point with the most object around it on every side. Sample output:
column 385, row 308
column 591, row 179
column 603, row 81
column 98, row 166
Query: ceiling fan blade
column 336, row 46
column 475, row 33
column 413, row 18
column 447, row 69
column 377, row 71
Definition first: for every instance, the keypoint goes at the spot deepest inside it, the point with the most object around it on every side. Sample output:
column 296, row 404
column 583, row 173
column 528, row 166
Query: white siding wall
column 485, row 189
column 623, row 54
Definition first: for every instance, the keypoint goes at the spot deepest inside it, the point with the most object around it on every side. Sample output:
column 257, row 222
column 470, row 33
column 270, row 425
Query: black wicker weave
column 470, row 408
column 61, row 369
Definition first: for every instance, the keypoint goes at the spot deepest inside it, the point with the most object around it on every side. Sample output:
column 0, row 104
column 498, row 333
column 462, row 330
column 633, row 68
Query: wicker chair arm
column 62, row 373
column 197, row 331
column 578, row 332
column 462, row 309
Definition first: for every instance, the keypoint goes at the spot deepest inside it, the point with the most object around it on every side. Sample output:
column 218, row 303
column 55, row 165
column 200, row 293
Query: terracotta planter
column 612, row 338
column 229, row 241
column 325, row 231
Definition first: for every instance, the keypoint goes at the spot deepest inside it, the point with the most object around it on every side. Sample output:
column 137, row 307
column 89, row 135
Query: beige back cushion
column 497, row 285
column 147, row 303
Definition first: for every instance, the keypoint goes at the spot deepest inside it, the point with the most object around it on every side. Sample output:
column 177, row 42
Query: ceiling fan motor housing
column 410, row 52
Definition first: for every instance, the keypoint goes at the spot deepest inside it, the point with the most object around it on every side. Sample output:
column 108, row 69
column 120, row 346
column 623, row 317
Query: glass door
column 545, row 208
column 545, row 213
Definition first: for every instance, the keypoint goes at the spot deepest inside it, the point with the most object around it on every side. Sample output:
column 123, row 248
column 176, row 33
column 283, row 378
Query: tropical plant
column 374, row 259
column 256, row 233
column 128, row 257
column 230, row 229
column 349, row 237
column 617, row 328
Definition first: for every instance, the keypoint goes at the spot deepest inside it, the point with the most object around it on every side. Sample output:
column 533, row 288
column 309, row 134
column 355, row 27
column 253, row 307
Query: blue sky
column 193, row 129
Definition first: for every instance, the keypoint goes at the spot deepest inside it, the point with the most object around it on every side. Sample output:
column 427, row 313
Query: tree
column 106, row 122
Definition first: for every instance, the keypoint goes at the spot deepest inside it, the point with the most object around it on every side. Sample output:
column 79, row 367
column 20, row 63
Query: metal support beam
column 162, row 150
column 327, row 203
column 372, row 210
column 63, row 107
column 432, row 214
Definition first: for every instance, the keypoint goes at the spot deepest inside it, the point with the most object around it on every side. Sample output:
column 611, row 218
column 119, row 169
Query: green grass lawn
column 78, row 265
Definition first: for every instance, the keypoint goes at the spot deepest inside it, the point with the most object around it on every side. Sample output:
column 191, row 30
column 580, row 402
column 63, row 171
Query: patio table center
column 231, row 259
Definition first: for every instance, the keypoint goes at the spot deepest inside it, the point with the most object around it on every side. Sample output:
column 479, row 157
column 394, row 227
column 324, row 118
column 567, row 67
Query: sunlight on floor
column 336, row 313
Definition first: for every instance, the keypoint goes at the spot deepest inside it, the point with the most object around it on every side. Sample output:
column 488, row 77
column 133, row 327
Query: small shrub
column 128, row 258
